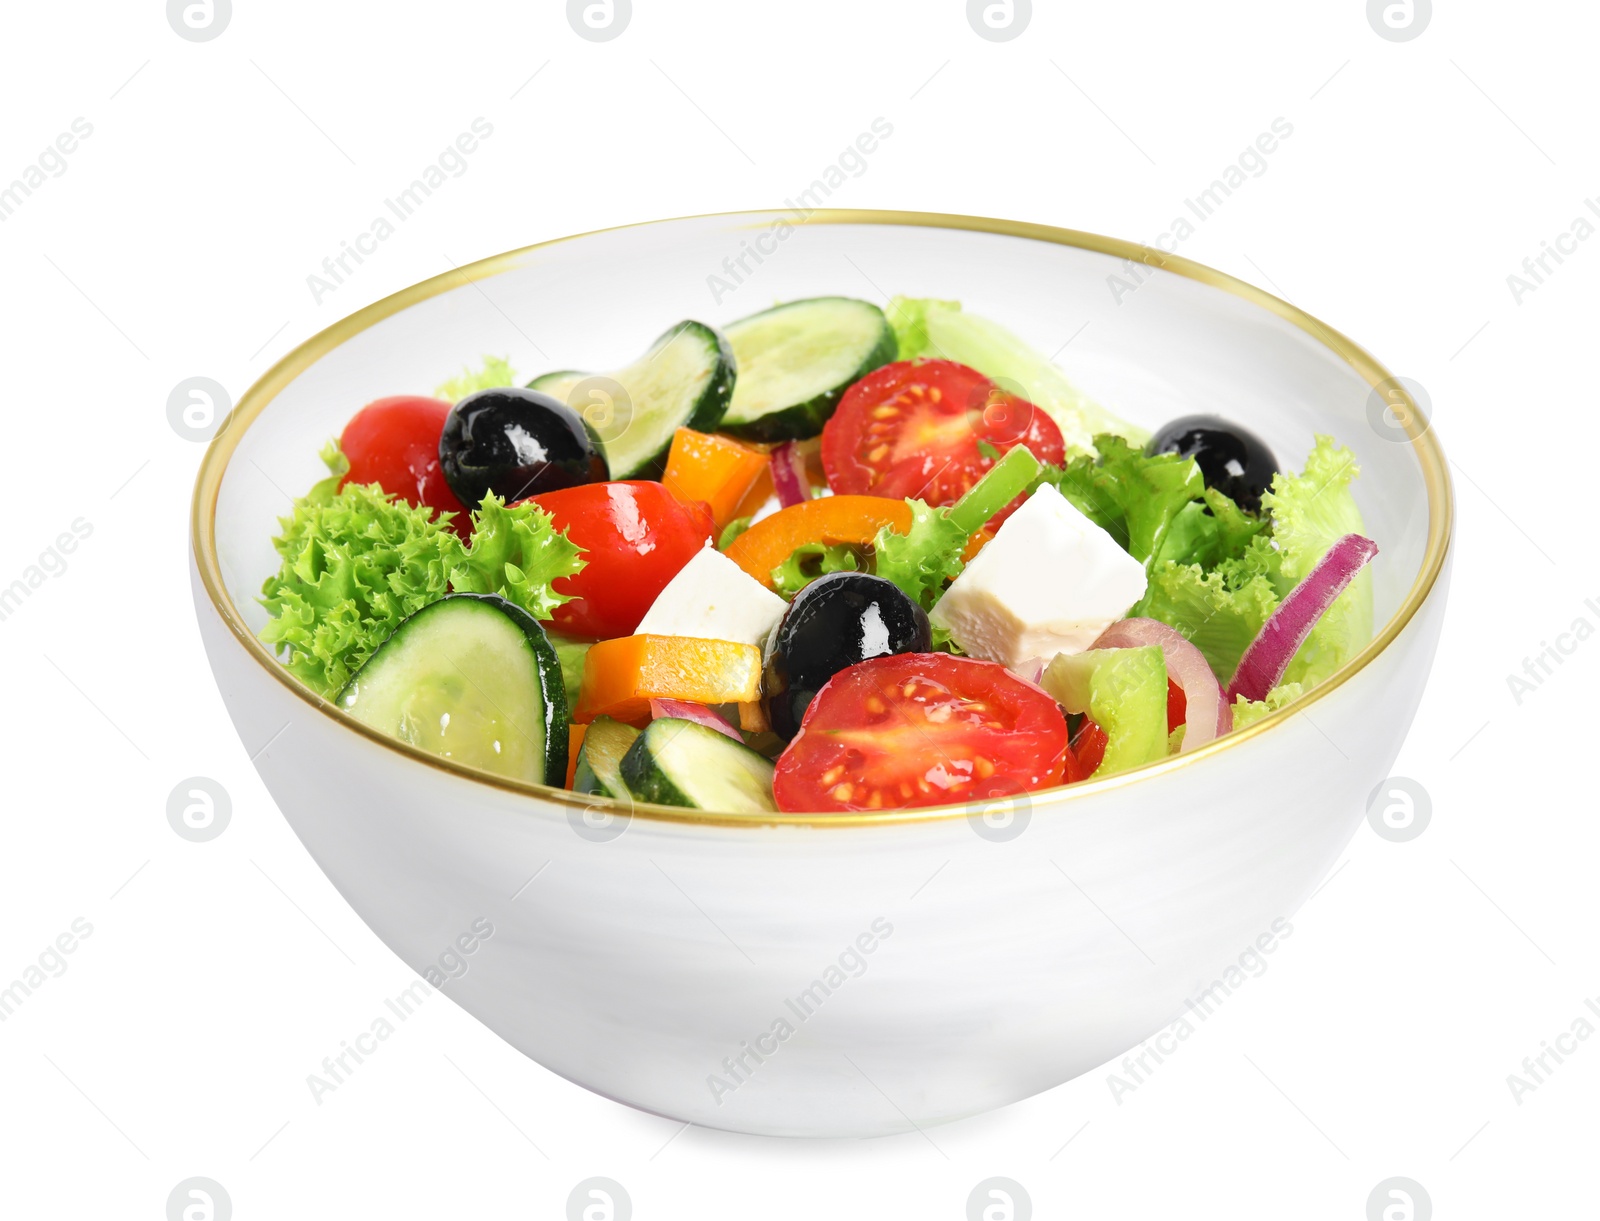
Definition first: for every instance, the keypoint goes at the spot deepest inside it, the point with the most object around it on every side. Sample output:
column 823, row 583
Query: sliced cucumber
column 681, row 763
column 1125, row 691
column 473, row 678
column 797, row 360
column 599, row 770
column 685, row 380
column 570, row 652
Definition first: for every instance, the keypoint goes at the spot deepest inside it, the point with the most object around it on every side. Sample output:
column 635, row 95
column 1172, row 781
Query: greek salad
column 828, row 558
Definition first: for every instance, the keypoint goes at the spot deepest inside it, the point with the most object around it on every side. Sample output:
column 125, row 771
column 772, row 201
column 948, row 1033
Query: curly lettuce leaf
column 517, row 553
column 809, row 561
column 1221, row 617
column 908, row 317
column 1209, row 532
column 1310, row 512
column 355, row 563
column 921, row 560
column 926, row 327
column 496, row 371
column 1155, row 506
column 1247, row 711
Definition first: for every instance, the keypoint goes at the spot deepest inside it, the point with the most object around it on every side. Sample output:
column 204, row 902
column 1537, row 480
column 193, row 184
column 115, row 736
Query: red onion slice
column 1209, row 715
column 683, row 710
column 1264, row 662
column 789, row 475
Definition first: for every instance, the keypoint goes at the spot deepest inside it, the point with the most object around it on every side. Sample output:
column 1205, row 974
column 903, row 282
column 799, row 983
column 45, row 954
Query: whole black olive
column 834, row 622
column 516, row 443
column 1231, row 459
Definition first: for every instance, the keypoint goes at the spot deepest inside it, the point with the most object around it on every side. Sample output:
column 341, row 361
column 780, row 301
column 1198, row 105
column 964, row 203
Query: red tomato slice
column 1177, row 706
column 394, row 442
column 912, row 429
column 635, row 535
column 1089, row 747
column 921, row 729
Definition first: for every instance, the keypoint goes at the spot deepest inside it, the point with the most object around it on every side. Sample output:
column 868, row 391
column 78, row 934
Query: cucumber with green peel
column 472, row 678
column 599, row 770
column 684, row 380
column 797, row 360
column 682, row 763
column 1125, row 691
column 570, row 652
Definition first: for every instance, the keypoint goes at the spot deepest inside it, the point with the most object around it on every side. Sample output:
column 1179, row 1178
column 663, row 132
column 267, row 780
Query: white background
column 177, row 243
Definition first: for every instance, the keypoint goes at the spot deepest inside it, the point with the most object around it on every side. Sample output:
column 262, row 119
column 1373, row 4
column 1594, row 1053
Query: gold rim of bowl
column 1429, row 453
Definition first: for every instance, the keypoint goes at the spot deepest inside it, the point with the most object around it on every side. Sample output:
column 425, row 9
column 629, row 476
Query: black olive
column 516, row 443
column 834, row 622
column 1231, row 459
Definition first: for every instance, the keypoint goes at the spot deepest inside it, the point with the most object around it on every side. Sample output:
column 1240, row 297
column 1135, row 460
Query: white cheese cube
column 712, row 598
column 1049, row 582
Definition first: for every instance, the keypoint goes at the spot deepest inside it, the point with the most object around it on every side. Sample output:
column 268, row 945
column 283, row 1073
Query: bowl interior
column 1148, row 343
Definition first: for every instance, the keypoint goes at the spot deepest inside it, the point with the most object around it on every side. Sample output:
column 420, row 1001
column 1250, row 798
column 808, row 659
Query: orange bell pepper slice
column 976, row 543
column 622, row 676
column 575, row 734
column 730, row 477
column 829, row 519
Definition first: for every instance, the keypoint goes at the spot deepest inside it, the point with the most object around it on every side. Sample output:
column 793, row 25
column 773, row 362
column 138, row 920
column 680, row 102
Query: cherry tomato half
column 921, row 729
column 1177, row 706
column 394, row 442
column 635, row 535
column 913, row 429
column 1089, row 747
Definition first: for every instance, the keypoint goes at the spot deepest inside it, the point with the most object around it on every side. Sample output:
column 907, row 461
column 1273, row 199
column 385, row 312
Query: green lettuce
column 1311, row 512
column 1236, row 573
column 1247, row 711
column 1219, row 617
column 355, row 562
column 809, row 561
column 496, row 371
column 926, row 327
column 1156, row 506
column 516, row 553
column 921, row 560
column 929, row 553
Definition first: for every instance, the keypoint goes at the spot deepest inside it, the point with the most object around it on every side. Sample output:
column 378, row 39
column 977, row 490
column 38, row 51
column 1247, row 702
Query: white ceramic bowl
column 855, row 975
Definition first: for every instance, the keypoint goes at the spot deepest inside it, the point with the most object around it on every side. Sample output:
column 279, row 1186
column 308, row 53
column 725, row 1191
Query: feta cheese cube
column 712, row 598
column 1049, row 582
